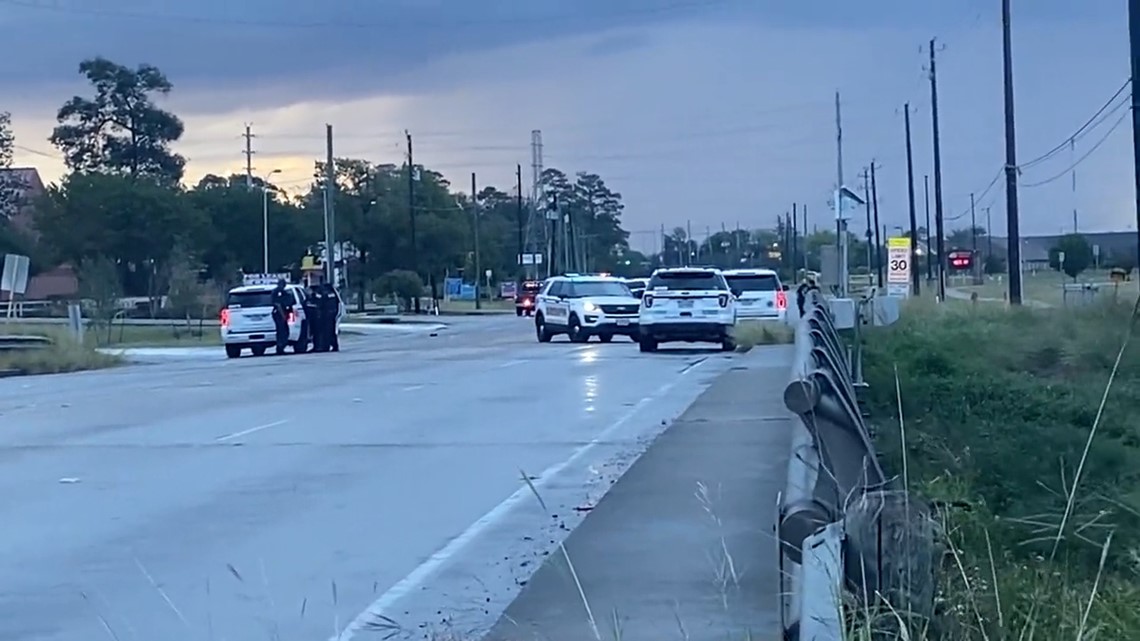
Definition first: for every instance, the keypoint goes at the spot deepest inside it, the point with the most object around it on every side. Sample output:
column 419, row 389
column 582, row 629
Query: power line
column 1088, row 153
column 435, row 21
column 1062, row 146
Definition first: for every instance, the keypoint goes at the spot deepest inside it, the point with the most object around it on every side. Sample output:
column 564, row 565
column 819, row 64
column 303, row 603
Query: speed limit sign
column 898, row 266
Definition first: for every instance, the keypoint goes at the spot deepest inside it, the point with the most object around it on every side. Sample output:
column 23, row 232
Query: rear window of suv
column 687, row 280
column 754, row 282
column 250, row 299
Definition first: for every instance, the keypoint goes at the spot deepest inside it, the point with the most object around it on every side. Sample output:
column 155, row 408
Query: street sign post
column 898, row 267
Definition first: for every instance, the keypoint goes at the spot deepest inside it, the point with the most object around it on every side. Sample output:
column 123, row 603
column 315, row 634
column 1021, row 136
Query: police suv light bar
column 263, row 279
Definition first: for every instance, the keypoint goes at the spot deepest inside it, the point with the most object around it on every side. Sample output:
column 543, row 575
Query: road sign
column 898, row 266
column 14, row 278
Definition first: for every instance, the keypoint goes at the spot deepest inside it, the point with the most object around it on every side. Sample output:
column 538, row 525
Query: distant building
column 59, row 282
column 29, row 186
column 1119, row 246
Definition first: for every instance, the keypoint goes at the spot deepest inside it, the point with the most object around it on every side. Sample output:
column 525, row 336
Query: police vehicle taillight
column 723, row 300
column 292, row 317
column 648, row 300
column 781, row 300
column 225, row 318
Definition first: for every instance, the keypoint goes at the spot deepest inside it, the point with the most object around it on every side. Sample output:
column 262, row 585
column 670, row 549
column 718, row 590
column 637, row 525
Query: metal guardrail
column 844, row 533
column 20, row 342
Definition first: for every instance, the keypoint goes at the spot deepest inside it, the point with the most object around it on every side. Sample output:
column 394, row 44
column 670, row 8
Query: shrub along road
column 1000, row 408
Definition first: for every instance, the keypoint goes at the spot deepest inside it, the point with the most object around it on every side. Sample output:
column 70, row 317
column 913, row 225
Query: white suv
column 688, row 304
column 759, row 294
column 585, row 306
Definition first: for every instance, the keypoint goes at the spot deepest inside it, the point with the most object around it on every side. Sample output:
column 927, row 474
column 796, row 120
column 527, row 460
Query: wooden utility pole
column 1134, row 46
column 915, row 280
column 1013, row 232
column 879, row 264
column 412, row 214
column 330, row 211
column 938, row 220
column 475, row 223
column 929, row 251
column 867, row 206
column 519, row 217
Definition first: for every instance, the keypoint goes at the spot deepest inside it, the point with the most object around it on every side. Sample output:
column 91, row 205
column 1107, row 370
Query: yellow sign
column 898, row 266
column 309, row 263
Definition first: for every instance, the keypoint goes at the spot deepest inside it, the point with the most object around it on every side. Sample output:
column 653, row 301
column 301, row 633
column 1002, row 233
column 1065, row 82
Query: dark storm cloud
column 357, row 47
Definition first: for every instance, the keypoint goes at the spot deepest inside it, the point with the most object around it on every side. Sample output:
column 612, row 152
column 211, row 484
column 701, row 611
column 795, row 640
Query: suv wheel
column 233, row 351
column 575, row 331
column 728, row 345
column 540, row 330
column 647, row 345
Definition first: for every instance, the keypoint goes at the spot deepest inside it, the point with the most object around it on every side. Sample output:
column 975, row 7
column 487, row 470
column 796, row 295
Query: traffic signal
column 961, row 260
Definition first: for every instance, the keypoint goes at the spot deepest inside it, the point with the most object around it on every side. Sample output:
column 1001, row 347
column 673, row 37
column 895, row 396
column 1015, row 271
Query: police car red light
column 781, row 300
column 225, row 318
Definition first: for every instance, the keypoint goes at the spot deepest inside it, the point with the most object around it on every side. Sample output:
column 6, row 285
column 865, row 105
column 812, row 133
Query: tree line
column 125, row 209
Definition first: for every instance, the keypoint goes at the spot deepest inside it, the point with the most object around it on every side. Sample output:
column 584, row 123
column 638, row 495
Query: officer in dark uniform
column 329, row 305
column 312, row 318
column 282, row 301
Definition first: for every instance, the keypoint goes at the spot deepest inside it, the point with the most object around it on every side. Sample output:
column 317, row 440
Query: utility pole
column 475, row 223
column 805, row 239
column 795, row 241
column 412, row 214
column 915, row 280
column 1013, row 232
column 1134, row 47
column 840, row 219
column 330, row 196
column 974, row 240
column 989, row 236
column 248, row 135
column 688, row 243
column 938, row 220
column 519, row 216
column 878, row 242
column 929, row 251
column 867, row 206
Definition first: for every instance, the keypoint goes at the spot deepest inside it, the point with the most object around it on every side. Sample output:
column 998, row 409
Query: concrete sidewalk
column 682, row 547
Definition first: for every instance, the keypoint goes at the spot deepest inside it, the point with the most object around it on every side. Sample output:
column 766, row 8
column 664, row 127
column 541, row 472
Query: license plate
column 684, row 303
column 622, row 322
column 257, row 317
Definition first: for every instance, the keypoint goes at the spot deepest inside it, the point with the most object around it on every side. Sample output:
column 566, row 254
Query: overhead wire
column 1084, row 156
column 1088, row 125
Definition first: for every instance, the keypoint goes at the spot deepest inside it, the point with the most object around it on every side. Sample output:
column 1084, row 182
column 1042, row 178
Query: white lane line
column 427, row 570
column 230, row 437
column 412, row 388
column 510, row 364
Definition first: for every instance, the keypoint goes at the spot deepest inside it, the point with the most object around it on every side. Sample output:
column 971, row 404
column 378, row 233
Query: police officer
column 282, row 302
column 329, row 305
column 312, row 318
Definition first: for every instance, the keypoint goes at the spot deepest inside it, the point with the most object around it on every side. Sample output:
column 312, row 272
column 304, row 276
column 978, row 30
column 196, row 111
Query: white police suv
column 247, row 318
column 585, row 306
column 687, row 304
column 759, row 294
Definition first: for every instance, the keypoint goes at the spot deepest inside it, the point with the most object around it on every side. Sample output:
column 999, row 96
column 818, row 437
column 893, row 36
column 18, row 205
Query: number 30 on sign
column 898, row 266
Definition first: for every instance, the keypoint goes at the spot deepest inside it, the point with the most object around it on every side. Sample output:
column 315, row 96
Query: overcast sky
column 718, row 112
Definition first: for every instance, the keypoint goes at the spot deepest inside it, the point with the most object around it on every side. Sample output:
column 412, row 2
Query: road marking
column 412, row 388
column 510, row 364
column 429, row 568
column 230, row 437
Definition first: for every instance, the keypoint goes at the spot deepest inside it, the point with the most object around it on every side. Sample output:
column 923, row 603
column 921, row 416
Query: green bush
column 998, row 405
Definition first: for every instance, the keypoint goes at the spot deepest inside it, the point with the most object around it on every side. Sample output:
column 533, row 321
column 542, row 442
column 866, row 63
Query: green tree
column 100, row 287
column 134, row 224
column 402, row 284
column 120, row 130
column 234, row 236
column 1078, row 255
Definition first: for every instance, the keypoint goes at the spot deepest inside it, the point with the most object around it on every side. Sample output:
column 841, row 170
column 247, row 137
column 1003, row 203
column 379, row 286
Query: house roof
column 29, row 176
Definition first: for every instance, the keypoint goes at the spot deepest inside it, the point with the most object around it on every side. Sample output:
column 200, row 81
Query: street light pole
column 265, row 221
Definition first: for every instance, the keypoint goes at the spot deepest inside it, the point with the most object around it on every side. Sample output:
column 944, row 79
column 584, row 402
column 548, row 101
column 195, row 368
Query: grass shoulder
column 750, row 333
column 62, row 355
column 1002, row 417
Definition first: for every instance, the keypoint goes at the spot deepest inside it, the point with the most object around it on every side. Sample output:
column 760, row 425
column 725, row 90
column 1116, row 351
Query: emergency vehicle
column 585, row 306
column 524, row 301
column 687, row 304
column 759, row 294
column 247, row 318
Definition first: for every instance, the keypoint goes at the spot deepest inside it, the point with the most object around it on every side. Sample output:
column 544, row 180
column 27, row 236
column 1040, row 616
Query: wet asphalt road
column 282, row 497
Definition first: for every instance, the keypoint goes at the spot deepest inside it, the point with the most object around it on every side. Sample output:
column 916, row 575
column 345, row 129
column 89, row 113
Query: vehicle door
column 556, row 304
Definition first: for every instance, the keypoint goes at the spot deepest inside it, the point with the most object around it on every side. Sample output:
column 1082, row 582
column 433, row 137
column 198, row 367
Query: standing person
column 330, row 311
column 312, row 318
column 282, row 302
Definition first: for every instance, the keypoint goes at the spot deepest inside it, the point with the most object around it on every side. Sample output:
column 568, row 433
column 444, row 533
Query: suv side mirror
column 784, row 287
